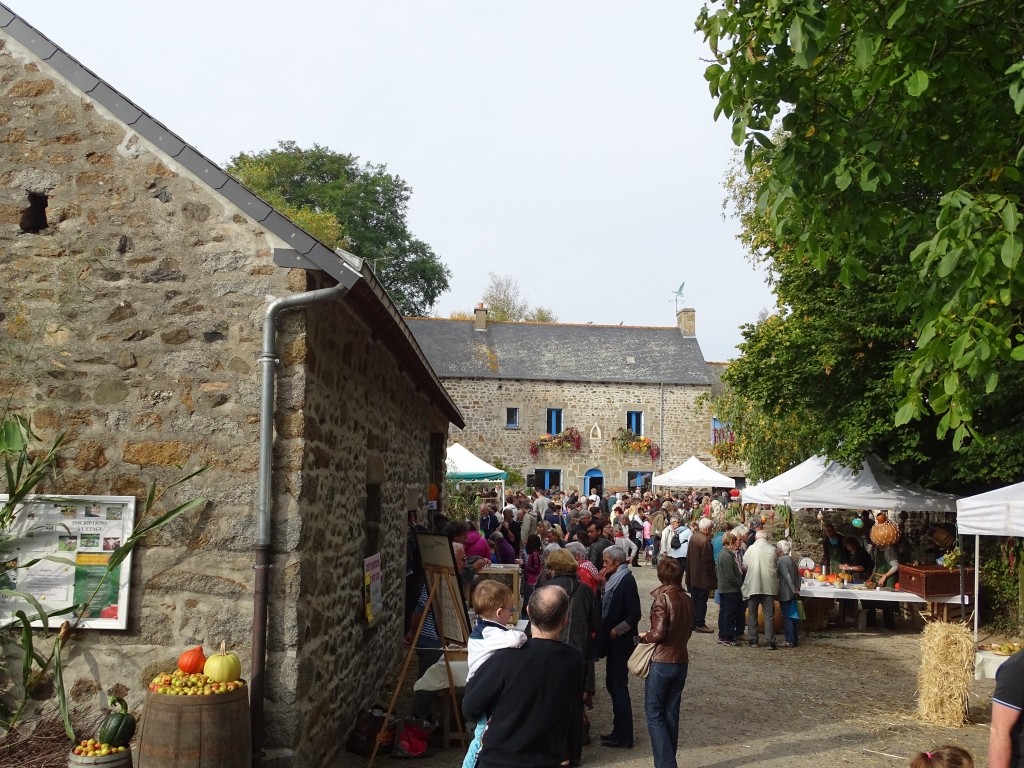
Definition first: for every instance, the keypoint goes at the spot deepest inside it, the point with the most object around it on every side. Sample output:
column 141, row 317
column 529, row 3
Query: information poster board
column 71, row 539
column 438, row 558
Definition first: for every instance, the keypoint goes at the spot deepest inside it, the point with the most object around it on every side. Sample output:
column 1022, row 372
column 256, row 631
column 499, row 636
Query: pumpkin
column 223, row 667
column 118, row 727
column 193, row 660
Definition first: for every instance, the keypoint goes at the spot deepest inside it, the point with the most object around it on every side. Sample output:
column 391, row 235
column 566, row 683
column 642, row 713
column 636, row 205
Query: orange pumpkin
column 193, row 660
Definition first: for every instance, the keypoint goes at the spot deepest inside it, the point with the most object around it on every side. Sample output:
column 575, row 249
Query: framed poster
column 439, row 567
column 373, row 596
column 59, row 552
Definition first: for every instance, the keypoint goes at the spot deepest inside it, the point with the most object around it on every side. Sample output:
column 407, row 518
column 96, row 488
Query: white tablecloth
column 436, row 677
column 822, row 589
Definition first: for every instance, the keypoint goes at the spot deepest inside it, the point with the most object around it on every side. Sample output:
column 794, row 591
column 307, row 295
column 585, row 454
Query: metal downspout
column 268, row 359
column 661, row 418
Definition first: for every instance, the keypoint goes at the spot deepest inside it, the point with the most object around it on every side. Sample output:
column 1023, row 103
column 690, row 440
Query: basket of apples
column 110, row 748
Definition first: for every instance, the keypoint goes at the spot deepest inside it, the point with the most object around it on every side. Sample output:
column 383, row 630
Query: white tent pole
column 977, row 572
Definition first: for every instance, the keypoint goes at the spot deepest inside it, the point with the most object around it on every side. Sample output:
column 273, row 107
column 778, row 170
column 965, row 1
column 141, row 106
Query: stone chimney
column 686, row 319
column 480, row 317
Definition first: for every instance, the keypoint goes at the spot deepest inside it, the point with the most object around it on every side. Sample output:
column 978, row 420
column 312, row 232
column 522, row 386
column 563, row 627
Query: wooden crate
column 934, row 580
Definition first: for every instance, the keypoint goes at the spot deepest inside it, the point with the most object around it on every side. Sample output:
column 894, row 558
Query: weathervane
column 679, row 295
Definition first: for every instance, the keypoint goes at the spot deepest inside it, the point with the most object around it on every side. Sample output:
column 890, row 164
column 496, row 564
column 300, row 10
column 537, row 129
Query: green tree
column 359, row 207
column 889, row 206
column 506, row 304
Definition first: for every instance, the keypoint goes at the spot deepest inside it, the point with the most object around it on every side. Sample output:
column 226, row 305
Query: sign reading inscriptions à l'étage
column 59, row 553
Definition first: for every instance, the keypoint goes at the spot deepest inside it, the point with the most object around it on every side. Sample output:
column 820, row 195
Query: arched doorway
column 593, row 482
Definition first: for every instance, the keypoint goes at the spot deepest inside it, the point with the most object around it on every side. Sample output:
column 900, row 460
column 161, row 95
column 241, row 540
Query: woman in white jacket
column 679, row 534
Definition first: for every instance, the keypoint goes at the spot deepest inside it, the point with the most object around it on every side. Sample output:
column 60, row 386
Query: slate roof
column 559, row 352
column 304, row 251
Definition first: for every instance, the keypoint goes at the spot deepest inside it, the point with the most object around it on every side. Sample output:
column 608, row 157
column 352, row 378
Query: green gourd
column 119, row 726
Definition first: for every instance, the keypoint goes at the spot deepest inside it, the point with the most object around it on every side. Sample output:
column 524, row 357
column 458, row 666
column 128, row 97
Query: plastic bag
column 412, row 740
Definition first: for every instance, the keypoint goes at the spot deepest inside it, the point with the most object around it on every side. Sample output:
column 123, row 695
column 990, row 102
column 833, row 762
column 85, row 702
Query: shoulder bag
column 639, row 662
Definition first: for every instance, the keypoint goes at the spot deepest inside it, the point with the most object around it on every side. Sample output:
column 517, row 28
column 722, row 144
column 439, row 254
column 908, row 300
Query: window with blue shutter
column 635, row 422
column 554, row 425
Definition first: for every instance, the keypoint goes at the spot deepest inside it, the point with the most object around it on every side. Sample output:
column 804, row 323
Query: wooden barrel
column 196, row 731
column 117, row 760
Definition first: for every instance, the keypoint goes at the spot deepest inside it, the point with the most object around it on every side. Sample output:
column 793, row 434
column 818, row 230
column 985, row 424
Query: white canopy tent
column 465, row 466
column 871, row 488
column 995, row 513
column 693, row 474
column 776, row 490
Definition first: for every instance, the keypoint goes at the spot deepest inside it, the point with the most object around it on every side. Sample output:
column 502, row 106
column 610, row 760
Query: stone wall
column 368, row 437
column 672, row 418
column 132, row 320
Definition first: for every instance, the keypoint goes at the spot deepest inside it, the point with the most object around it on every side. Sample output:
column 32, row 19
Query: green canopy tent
column 466, row 467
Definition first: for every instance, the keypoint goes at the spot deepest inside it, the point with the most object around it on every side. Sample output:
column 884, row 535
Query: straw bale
column 947, row 668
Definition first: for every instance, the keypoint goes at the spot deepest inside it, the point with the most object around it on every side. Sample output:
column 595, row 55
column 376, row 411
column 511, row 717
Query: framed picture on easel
column 442, row 572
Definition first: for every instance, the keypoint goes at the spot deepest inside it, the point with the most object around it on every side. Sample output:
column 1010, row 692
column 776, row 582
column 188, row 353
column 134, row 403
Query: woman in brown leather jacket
column 671, row 625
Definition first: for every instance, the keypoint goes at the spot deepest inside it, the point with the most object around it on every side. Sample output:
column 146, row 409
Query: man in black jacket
column 524, row 691
column 620, row 616
column 600, row 539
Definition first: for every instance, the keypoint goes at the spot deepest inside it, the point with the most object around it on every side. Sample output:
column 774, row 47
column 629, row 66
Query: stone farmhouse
column 140, row 317
column 517, row 382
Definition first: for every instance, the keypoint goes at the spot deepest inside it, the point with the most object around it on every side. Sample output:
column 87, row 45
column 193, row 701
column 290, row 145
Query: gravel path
column 842, row 698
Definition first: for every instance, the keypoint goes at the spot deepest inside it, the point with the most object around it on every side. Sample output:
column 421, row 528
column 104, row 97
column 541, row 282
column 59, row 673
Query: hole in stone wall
column 33, row 218
column 372, row 520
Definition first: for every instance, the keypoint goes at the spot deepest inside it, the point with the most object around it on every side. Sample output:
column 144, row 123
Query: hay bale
column 947, row 669
column 818, row 610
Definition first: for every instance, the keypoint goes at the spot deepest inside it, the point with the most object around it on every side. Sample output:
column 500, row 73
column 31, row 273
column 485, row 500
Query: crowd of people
column 582, row 604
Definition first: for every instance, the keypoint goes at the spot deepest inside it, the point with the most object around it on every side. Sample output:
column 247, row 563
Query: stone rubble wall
column 687, row 425
column 133, row 323
column 365, row 425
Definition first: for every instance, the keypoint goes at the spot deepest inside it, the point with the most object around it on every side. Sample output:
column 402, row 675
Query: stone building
column 517, row 382
column 137, row 313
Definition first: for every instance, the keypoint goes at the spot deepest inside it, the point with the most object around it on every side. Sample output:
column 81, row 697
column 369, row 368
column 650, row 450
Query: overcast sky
column 570, row 144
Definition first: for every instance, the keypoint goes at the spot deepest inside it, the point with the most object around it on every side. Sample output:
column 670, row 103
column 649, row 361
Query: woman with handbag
column 671, row 625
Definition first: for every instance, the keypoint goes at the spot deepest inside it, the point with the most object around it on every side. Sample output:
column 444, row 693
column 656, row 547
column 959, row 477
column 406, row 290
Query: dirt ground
column 842, row 698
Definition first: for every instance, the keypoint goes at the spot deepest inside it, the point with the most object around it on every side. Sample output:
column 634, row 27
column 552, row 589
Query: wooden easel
column 442, row 585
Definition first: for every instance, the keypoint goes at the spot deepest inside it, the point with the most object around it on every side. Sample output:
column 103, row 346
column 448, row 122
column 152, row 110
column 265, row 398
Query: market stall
column 466, row 467
column 693, row 473
column 873, row 487
column 995, row 513
column 870, row 487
